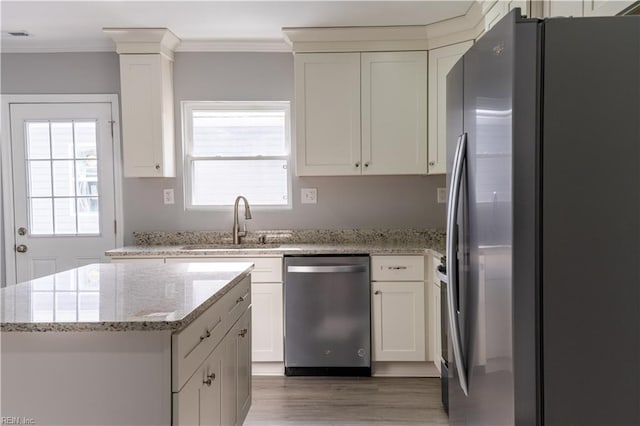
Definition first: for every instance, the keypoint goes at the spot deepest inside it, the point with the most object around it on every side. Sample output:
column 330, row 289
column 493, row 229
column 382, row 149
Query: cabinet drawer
column 397, row 268
column 266, row 270
column 193, row 344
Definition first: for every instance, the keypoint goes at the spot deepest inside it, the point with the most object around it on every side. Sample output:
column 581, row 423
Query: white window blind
column 237, row 148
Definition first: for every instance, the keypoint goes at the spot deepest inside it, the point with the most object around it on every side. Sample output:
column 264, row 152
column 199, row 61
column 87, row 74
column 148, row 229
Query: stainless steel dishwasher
column 327, row 316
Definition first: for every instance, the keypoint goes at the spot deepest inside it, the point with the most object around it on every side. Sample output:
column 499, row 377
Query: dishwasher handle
column 327, row 269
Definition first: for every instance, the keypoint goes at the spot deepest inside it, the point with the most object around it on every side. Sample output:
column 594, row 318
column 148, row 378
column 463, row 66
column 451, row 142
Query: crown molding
column 234, row 46
column 417, row 37
column 143, row 40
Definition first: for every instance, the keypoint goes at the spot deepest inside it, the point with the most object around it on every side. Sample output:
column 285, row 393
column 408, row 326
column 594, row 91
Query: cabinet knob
column 210, row 378
column 243, row 332
column 432, row 163
column 205, row 336
column 376, row 292
column 366, row 164
column 358, row 164
column 157, row 166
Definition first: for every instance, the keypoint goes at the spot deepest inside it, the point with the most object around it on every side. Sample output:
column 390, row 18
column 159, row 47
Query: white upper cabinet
column 441, row 61
column 394, row 111
column 382, row 94
column 605, row 7
column 146, row 85
column 327, row 114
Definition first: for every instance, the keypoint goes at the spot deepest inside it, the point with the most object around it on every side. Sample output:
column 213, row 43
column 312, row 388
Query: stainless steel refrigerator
column 543, row 224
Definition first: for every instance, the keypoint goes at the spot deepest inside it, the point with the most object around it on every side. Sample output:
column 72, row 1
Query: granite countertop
column 273, row 250
column 284, row 242
column 118, row 297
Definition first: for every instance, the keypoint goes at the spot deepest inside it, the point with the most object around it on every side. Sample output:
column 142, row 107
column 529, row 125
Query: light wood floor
column 345, row 401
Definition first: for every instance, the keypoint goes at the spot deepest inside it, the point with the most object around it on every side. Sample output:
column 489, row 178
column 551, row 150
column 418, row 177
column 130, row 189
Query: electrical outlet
column 442, row 195
column 167, row 196
column 309, row 195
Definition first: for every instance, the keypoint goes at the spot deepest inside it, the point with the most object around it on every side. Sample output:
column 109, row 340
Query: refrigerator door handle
column 452, row 263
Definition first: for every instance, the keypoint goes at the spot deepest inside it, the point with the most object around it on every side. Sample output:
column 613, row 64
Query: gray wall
column 343, row 202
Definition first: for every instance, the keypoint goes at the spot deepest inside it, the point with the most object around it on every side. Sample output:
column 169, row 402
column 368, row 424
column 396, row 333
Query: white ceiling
column 77, row 25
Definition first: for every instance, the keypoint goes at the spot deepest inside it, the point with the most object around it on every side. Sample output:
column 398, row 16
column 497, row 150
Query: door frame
column 6, row 167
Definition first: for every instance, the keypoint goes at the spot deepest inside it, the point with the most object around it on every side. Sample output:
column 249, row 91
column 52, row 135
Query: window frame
column 187, row 145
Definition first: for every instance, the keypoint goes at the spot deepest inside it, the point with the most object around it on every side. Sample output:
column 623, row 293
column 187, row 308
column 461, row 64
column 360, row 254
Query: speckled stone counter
column 118, row 297
column 284, row 242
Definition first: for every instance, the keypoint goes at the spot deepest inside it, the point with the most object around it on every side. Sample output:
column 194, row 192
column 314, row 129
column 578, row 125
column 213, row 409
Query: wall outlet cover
column 167, row 196
column 442, row 195
column 309, row 195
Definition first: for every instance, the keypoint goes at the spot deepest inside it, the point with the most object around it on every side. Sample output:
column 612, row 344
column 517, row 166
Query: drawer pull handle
column 243, row 332
column 210, row 378
column 205, row 336
column 240, row 300
column 396, row 268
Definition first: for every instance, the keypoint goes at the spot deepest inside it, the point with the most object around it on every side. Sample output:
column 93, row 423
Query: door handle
column 330, row 269
column 452, row 263
column 21, row 248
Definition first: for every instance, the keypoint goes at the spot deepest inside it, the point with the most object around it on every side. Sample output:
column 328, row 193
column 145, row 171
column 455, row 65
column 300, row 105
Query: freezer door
column 484, row 254
column 591, row 222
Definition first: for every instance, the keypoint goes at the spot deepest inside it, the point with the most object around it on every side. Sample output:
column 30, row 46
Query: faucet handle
column 243, row 233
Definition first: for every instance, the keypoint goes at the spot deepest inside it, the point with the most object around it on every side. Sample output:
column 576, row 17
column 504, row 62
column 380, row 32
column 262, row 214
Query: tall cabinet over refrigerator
column 543, row 226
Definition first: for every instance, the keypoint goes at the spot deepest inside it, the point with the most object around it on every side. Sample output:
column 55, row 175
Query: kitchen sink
column 213, row 247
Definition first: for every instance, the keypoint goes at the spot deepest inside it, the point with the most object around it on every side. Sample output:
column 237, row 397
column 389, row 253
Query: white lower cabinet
column 199, row 401
column 398, row 308
column 219, row 392
column 266, row 299
column 437, row 335
column 398, row 321
column 267, row 327
column 243, row 361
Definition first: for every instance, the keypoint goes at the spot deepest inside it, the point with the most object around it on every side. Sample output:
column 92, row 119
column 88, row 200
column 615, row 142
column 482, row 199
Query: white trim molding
column 7, row 214
column 234, row 46
column 144, row 40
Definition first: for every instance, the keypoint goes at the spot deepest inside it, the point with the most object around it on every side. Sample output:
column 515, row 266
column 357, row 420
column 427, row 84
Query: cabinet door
column 437, row 343
column 398, row 321
column 605, row 7
column 551, row 8
column 267, row 337
column 229, row 374
column 441, row 61
column 147, row 115
column 394, row 113
column 327, row 89
column 198, row 402
column 244, row 336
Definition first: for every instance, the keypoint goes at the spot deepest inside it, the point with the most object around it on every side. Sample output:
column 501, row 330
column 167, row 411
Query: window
column 237, row 148
column 62, row 175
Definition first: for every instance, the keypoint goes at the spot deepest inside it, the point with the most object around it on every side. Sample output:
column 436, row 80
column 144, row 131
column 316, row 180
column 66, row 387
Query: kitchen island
column 129, row 344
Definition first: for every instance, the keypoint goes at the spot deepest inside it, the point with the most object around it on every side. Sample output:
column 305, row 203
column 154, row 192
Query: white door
column 63, row 186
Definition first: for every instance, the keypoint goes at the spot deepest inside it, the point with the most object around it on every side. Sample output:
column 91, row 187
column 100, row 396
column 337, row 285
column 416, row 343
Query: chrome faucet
column 237, row 233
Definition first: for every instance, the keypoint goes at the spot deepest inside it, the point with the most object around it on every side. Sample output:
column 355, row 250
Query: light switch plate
column 309, row 195
column 167, row 196
column 442, row 195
